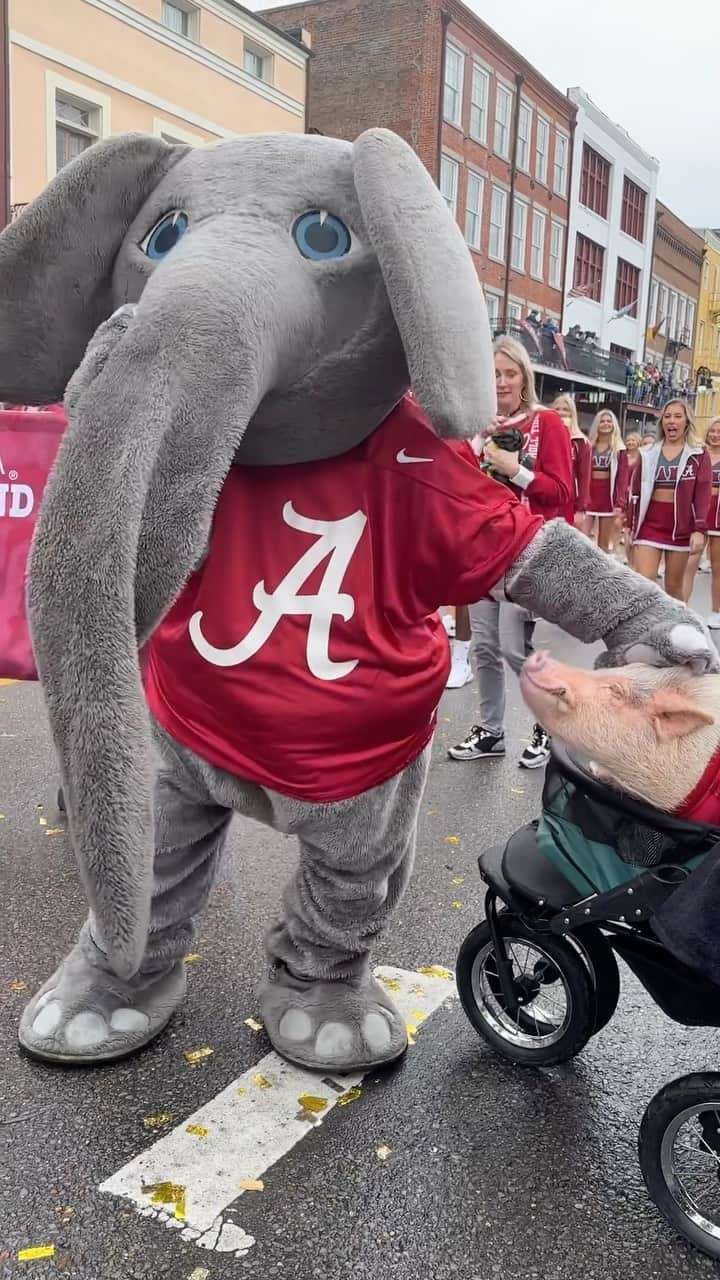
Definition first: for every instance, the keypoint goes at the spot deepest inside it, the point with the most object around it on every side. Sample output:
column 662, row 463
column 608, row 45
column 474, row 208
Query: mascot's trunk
column 113, row 549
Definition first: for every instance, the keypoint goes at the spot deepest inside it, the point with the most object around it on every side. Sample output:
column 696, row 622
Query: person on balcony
column 670, row 496
column 564, row 405
column 505, row 631
column 608, row 481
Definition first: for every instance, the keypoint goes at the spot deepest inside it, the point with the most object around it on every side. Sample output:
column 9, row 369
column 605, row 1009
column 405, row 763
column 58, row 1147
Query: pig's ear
column 674, row 715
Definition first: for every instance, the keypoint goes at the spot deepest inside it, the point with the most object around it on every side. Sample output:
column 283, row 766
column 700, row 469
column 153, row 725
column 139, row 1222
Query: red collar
column 703, row 803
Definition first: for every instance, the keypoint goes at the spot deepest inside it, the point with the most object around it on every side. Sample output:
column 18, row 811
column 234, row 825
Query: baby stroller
column 538, row 977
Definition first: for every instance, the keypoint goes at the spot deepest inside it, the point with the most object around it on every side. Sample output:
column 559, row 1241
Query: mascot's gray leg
column 321, row 1006
column 84, row 1013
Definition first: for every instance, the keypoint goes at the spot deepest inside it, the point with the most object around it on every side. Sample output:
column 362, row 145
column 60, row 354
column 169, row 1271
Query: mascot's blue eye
column 321, row 236
column 165, row 234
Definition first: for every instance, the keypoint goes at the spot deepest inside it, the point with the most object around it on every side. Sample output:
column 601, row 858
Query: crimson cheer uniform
column 582, row 472
column 608, row 482
column 548, row 488
column 714, row 511
column 312, row 621
column 670, row 497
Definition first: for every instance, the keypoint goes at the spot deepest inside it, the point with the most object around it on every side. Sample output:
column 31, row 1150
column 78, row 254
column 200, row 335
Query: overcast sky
column 652, row 67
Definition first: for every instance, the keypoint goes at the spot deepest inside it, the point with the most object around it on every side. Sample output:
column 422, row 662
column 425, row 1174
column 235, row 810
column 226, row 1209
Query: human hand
column 697, row 542
column 504, row 463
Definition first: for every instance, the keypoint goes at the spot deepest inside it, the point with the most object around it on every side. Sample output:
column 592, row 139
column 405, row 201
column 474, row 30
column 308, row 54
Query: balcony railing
column 568, row 353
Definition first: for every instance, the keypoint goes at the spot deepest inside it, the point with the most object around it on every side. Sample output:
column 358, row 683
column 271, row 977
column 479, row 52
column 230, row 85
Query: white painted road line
column 189, row 1179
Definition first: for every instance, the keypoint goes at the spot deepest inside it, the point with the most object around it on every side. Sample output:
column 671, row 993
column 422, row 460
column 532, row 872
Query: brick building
column 674, row 294
column 495, row 135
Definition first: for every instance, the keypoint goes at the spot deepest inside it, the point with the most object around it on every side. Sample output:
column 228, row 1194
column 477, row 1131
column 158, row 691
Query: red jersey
column 582, row 470
column 551, row 493
column 714, row 511
column 608, row 482
column 306, row 653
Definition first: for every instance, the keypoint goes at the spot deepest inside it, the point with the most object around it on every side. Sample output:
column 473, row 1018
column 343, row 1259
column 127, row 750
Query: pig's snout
column 546, row 674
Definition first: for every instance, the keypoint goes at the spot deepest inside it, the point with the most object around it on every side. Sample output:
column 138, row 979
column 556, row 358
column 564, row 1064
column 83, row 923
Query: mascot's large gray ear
column 56, row 262
column 434, row 291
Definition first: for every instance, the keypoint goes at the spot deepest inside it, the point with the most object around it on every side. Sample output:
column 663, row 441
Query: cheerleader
column 669, row 499
column 564, row 405
column 712, row 444
column 609, row 478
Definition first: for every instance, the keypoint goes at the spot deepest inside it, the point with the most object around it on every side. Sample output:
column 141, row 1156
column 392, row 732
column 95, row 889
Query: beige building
column 185, row 70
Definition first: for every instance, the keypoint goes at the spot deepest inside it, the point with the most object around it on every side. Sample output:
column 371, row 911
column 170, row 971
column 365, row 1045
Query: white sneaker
column 461, row 673
column 448, row 622
column 705, row 566
column 714, row 621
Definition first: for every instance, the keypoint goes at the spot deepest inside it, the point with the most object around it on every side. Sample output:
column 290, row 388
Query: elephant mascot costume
column 251, row 509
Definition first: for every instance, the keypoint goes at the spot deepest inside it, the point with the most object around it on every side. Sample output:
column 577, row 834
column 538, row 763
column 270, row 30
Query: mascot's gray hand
column 99, row 348
column 565, row 578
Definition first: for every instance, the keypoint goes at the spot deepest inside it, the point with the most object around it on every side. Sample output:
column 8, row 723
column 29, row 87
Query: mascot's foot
column 340, row 1026
column 84, row 1014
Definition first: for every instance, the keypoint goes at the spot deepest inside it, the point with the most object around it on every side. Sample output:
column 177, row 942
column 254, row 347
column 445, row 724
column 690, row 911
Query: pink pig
column 652, row 731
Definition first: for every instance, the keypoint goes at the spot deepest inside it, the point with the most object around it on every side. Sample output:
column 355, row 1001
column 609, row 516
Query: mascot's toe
column 84, row 1014
column 341, row 1026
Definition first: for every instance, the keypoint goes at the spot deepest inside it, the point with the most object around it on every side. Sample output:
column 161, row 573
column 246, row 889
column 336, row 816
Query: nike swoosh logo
column 404, row 456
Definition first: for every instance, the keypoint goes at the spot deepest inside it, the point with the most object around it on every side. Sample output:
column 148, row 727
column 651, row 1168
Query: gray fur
column 355, row 860
column 565, row 578
column 236, row 347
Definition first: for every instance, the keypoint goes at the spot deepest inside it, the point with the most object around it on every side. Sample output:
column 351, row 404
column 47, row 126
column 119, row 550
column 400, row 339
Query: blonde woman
column 541, row 475
column 608, row 480
column 564, row 405
column 712, row 444
column 669, row 499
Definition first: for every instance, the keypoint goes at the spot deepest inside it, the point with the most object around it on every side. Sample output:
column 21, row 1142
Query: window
column 77, row 127
column 257, row 62
column 503, row 118
column 449, row 170
column 473, row 209
column 560, row 168
column 515, row 312
column 537, row 255
column 542, row 146
column 523, row 140
column 557, row 238
column 498, row 214
column 589, row 263
column 672, row 322
column 479, row 104
column 493, row 305
column 633, row 210
column 627, row 287
column 594, row 181
column 690, row 318
column 519, row 235
column 701, row 335
column 681, row 317
column 663, row 304
column 180, row 17
column 706, row 275
column 454, row 77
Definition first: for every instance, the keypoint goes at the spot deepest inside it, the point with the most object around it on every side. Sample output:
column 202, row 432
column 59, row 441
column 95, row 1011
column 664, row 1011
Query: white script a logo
column 336, row 539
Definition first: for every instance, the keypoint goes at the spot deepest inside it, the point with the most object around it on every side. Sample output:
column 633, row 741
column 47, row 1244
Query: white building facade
column 611, row 232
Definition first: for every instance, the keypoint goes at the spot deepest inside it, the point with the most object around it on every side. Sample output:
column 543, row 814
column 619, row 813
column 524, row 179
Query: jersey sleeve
column 703, row 493
column 582, row 501
column 471, row 530
column 551, row 490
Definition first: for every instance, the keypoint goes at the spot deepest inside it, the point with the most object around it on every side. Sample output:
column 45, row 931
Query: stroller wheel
column 554, row 1016
column 679, row 1149
column 604, row 971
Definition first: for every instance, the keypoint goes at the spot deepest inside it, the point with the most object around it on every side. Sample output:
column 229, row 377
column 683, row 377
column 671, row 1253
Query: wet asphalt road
column 496, row 1172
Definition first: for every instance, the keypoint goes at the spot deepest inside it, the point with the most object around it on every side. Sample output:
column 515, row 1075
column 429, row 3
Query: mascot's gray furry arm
column 245, row 481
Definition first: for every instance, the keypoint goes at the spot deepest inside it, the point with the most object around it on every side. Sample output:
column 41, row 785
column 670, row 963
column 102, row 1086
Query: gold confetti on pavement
column 194, row 955
column 167, row 1193
column 452, row 839
column 252, row 1184
column 242, row 1093
column 200, row 1273
column 310, row 1103
column 458, row 880
column 18, row 986
column 417, row 1015
column 352, row 1095
column 411, row 1032
column 43, row 822
column 435, row 971
column 417, row 990
column 433, row 813
column 194, row 1056
column 518, row 791
column 457, row 905
column 262, row 1082
column 37, row 1251
column 197, row 1130
column 392, row 984
column 158, row 1120
column 55, row 831
column 3, row 818
column 382, row 1153
column 254, row 1025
